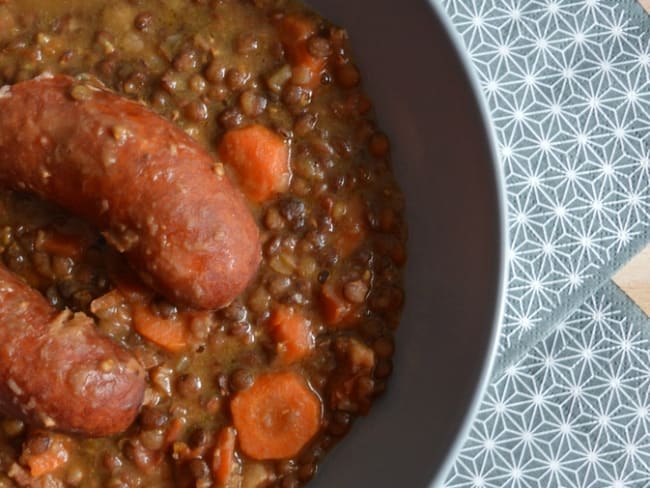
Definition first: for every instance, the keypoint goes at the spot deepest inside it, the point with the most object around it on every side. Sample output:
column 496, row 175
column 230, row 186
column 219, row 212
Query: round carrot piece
column 260, row 159
column 276, row 416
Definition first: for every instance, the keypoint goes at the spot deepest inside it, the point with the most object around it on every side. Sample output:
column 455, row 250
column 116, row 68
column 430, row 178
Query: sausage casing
column 57, row 370
column 152, row 190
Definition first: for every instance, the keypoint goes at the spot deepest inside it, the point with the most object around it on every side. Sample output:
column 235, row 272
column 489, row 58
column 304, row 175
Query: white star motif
column 515, row 14
column 492, row 86
column 552, row 7
column 504, row 50
column 567, row 85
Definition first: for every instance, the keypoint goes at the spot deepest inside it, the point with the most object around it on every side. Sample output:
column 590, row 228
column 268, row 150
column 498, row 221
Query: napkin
column 567, row 83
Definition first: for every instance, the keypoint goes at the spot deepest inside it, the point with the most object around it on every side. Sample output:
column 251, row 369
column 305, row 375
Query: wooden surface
column 645, row 4
column 634, row 279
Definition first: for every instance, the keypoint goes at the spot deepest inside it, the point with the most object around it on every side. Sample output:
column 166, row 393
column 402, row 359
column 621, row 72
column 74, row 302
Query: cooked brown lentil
column 333, row 244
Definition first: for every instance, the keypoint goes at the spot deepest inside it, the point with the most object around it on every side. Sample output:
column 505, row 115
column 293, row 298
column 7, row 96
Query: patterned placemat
column 567, row 83
column 568, row 86
column 574, row 412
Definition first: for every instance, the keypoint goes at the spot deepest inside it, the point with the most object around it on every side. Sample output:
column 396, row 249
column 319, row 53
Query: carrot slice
column 174, row 431
column 50, row 459
column 276, row 417
column 295, row 31
column 291, row 331
column 223, row 461
column 170, row 334
column 260, row 159
column 337, row 311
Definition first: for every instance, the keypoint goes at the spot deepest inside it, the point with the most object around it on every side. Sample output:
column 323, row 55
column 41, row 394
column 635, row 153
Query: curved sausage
column 154, row 192
column 56, row 369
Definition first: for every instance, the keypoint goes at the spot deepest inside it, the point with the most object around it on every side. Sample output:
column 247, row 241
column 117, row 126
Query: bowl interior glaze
column 445, row 161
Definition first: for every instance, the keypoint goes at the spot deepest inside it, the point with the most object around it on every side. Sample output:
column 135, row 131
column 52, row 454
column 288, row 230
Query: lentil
column 240, row 379
column 186, row 61
column 198, row 84
column 246, row 43
column 236, row 78
column 252, row 103
column 231, row 118
column 199, row 468
column 143, row 21
column 196, row 111
column 189, row 385
column 199, row 438
column 215, row 72
column 152, row 418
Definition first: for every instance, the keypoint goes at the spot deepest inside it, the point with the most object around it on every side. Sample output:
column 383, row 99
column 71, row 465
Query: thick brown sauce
column 211, row 66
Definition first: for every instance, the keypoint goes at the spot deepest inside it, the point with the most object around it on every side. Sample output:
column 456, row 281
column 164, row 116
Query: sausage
column 57, row 370
column 154, row 192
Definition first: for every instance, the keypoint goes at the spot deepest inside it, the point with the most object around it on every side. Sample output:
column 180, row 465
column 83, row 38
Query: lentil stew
column 255, row 393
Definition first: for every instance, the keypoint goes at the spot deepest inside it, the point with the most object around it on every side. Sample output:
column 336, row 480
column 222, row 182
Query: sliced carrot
column 260, row 159
column 276, row 417
column 174, row 431
column 223, row 461
column 352, row 227
column 337, row 311
column 334, row 307
column 295, row 31
column 59, row 244
column 292, row 333
column 170, row 334
column 47, row 461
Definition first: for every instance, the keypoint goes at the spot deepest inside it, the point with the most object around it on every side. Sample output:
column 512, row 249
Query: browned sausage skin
column 56, row 369
column 149, row 187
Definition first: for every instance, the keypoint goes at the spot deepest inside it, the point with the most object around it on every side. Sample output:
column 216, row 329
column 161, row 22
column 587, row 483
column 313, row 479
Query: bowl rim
column 483, row 382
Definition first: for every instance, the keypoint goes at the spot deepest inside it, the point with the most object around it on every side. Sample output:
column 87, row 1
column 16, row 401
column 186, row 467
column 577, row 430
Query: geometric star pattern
column 567, row 83
column 574, row 412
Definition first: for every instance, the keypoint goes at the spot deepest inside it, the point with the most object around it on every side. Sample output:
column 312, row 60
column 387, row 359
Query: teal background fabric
column 567, row 83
